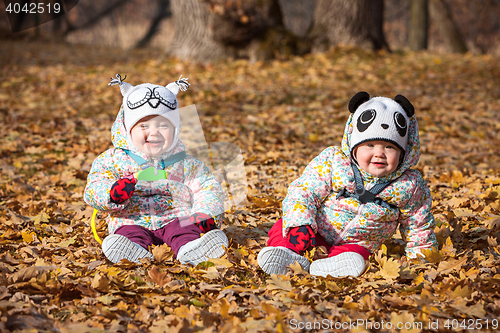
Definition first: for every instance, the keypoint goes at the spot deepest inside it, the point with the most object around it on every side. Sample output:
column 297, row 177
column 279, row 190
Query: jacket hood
column 411, row 156
column 122, row 140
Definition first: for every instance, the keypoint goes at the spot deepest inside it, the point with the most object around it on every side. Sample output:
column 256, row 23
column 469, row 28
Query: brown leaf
column 28, row 273
column 100, row 283
column 163, row 253
column 451, row 265
column 157, row 277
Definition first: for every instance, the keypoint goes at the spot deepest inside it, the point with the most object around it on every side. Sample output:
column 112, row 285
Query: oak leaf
column 451, row 265
column 157, row 277
column 276, row 282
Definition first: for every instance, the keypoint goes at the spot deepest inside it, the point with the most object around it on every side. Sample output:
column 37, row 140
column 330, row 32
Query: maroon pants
column 276, row 239
column 173, row 234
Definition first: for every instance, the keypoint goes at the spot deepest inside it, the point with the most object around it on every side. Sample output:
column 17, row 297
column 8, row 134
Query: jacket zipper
column 350, row 224
column 152, row 213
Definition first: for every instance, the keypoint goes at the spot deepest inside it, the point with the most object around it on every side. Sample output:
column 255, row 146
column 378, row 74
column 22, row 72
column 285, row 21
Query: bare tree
column 419, row 25
column 441, row 17
column 358, row 22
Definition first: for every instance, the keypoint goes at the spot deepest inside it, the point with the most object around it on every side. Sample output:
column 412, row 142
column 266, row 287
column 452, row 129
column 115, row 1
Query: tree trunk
column 419, row 25
column 355, row 22
column 441, row 16
column 297, row 15
column 194, row 35
column 163, row 13
column 215, row 29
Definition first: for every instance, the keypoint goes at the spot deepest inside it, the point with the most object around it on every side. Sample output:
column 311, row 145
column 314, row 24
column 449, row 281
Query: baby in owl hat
column 352, row 198
column 153, row 192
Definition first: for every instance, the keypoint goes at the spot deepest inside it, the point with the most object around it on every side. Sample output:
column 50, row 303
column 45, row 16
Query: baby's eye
column 391, row 147
column 144, row 126
column 164, row 125
column 371, row 145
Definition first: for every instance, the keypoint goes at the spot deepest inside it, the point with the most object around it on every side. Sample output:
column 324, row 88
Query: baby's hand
column 122, row 189
column 204, row 222
column 302, row 237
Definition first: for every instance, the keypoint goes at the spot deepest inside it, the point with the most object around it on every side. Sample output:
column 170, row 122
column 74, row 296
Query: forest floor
column 56, row 112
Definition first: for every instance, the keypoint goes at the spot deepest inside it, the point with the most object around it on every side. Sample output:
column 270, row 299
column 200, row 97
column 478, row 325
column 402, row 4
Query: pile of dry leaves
column 56, row 111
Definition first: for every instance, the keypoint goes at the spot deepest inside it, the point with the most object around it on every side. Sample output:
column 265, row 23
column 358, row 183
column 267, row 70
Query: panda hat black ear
column 405, row 103
column 357, row 100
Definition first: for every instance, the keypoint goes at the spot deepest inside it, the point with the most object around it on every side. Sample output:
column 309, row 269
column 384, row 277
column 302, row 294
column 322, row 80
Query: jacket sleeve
column 101, row 177
column 417, row 222
column 208, row 197
column 307, row 193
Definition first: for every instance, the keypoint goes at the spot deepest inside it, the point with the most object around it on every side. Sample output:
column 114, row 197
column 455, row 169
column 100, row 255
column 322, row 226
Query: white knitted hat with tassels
column 150, row 99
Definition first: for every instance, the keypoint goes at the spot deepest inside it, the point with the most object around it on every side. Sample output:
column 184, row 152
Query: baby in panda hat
column 352, row 198
column 153, row 192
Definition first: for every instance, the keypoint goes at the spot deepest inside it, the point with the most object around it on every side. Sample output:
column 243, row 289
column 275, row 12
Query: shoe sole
column 118, row 247
column 210, row 245
column 341, row 265
column 274, row 260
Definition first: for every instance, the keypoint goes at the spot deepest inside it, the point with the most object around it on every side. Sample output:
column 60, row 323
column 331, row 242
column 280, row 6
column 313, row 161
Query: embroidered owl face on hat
column 149, row 99
column 380, row 118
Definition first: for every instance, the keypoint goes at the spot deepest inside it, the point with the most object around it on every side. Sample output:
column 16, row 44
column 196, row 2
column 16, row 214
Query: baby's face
column 153, row 135
column 378, row 158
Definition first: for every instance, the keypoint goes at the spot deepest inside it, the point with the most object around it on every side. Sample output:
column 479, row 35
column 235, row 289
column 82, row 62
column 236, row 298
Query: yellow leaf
column 432, row 255
column 28, row 237
column 277, row 282
column 42, row 217
column 332, row 286
column 67, row 242
column 389, row 269
column 107, row 299
column 221, row 261
column 419, row 279
column 182, row 311
column 297, row 268
column 456, row 202
column 162, row 253
column 212, row 273
column 448, row 249
column 383, row 248
column 463, row 212
column 459, row 291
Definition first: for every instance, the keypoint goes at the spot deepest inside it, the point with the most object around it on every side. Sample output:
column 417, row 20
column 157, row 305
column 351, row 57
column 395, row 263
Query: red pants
column 276, row 239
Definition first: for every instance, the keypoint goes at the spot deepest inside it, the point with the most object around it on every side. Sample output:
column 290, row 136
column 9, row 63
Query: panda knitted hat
column 380, row 118
column 150, row 99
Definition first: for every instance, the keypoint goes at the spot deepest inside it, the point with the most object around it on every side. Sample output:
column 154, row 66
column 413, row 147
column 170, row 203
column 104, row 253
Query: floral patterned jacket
column 312, row 200
column 189, row 187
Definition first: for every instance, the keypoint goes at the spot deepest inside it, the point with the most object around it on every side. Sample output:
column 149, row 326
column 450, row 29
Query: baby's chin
column 155, row 152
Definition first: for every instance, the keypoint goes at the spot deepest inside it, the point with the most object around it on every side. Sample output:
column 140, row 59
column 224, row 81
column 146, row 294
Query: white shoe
column 117, row 247
column 275, row 259
column 343, row 264
column 213, row 244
